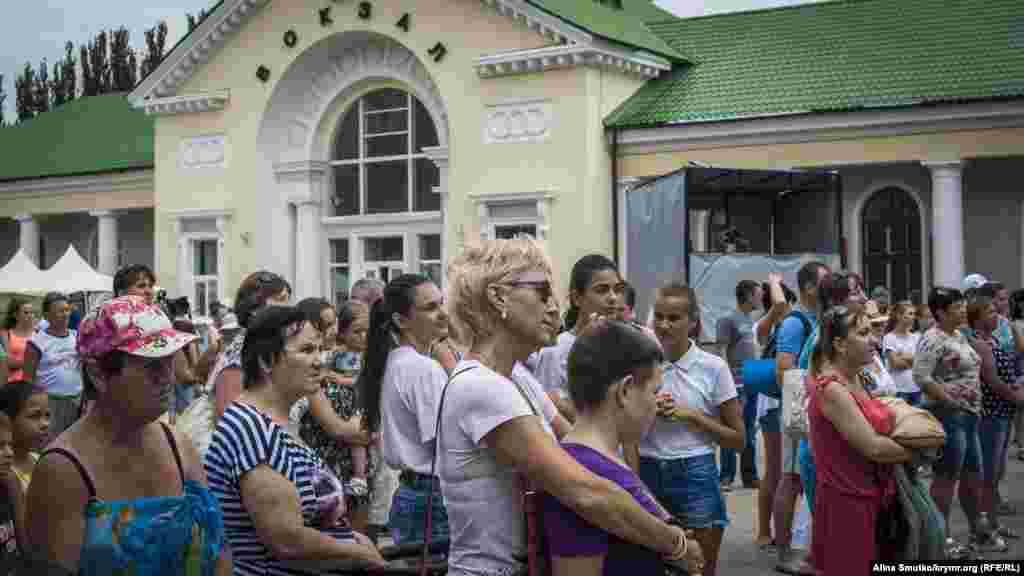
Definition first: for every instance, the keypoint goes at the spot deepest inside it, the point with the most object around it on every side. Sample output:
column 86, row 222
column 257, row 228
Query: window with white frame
column 200, row 257
column 340, row 271
column 205, row 274
column 430, row 257
column 509, row 219
column 378, row 163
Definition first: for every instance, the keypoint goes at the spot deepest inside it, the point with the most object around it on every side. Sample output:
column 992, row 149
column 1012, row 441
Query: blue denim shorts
column 995, row 442
column 689, row 488
column 772, row 420
column 408, row 513
column 962, row 451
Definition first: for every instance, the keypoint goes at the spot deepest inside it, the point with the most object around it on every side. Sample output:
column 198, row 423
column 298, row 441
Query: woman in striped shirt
column 283, row 509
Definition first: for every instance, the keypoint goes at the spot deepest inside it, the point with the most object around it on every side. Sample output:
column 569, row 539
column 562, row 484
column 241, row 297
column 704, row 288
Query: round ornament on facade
column 291, row 38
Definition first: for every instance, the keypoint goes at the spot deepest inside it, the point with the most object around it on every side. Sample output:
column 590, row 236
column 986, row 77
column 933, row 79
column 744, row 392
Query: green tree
column 98, row 80
column 68, row 73
column 89, row 87
column 122, row 64
column 58, row 92
column 194, row 21
column 3, row 102
column 41, row 89
column 156, row 41
column 23, row 98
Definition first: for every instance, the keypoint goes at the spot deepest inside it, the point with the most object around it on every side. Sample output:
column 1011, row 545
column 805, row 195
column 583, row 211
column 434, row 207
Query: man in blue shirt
column 793, row 333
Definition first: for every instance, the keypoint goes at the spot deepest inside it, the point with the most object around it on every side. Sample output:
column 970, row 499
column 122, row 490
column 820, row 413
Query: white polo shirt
column 698, row 380
column 410, row 391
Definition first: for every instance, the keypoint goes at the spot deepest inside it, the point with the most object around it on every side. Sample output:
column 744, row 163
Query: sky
column 37, row 29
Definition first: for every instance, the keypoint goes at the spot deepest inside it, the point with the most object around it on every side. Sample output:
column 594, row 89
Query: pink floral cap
column 131, row 325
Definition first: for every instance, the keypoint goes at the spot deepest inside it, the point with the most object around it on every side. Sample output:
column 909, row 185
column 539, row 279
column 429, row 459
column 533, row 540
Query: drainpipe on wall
column 615, row 199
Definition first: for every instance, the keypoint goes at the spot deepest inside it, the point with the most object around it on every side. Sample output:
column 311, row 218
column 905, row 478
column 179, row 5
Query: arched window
column 891, row 243
column 378, row 161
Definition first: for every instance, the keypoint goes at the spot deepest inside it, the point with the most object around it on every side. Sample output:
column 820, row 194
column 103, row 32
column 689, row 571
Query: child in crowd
column 899, row 346
column 348, row 360
column 12, row 503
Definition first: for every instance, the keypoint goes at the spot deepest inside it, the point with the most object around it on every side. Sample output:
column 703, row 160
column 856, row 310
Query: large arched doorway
column 891, row 243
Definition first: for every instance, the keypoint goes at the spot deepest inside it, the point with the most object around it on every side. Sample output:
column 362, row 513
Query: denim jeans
column 408, row 513
column 995, row 441
column 688, row 488
column 748, row 458
column 962, row 450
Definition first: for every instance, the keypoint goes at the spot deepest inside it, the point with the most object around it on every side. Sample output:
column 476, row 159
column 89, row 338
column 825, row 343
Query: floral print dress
column 344, row 401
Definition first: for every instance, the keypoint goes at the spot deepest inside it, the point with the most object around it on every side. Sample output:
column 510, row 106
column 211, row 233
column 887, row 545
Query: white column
column 29, row 236
column 183, row 276
column 107, row 241
column 947, row 222
column 307, row 248
column 439, row 155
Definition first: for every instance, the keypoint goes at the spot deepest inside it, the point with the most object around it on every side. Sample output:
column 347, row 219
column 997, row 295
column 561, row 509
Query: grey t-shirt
column 736, row 334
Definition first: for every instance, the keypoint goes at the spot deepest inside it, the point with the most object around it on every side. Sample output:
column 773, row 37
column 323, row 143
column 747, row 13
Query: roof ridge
column 758, row 11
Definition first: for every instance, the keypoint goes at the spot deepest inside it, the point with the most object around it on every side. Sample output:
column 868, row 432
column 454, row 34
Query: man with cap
column 1008, row 339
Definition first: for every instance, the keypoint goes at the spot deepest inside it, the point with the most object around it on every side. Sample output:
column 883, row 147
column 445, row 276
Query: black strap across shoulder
column 78, row 464
column 174, row 448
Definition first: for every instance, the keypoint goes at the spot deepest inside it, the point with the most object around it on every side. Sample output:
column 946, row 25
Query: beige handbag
column 794, row 403
column 913, row 427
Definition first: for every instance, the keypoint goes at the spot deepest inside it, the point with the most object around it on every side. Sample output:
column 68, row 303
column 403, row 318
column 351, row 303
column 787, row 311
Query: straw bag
column 794, row 403
column 913, row 427
column 197, row 422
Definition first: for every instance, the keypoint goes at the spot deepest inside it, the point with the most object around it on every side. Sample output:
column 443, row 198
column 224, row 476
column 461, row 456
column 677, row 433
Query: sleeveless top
column 151, row 536
column 16, row 351
column 839, row 464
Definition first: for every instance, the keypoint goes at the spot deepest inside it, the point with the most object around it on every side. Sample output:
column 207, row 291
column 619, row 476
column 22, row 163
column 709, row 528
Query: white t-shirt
column 482, row 496
column 410, row 390
column 552, row 364
column 902, row 380
column 699, row 380
column 59, row 371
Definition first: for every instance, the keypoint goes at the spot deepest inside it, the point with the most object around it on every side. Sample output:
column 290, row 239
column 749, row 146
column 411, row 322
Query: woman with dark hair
column 19, row 324
column 595, row 288
column 333, row 408
column 496, row 434
column 848, row 429
column 948, row 370
column 399, row 386
column 614, row 370
column 256, row 291
column 283, row 507
column 119, row 478
column 700, row 412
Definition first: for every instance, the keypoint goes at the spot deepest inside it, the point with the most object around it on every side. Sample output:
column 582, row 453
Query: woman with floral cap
column 119, row 492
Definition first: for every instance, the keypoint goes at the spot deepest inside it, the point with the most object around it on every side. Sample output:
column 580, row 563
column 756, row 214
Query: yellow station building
column 330, row 140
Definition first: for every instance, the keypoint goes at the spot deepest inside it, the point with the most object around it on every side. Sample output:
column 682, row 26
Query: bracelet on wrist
column 682, row 544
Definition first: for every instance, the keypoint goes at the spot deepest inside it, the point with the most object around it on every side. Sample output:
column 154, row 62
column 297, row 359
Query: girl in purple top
column 613, row 372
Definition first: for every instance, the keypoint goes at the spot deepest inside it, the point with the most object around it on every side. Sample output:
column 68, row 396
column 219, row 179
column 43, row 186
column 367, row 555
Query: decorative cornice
column 797, row 128
column 548, row 26
column 301, row 168
column 571, row 55
column 197, row 213
column 202, row 102
column 197, row 48
column 61, row 185
column 401, row 218
column 513, row 197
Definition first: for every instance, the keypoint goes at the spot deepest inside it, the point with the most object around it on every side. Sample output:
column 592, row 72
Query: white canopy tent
column 21, row 276
column 73, row 274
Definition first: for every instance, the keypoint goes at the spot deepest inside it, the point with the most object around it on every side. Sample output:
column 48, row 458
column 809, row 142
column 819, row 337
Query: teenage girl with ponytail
column 595, row 290
column 399, row 387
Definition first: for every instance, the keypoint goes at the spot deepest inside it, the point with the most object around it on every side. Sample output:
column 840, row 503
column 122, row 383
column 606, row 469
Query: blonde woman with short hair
column 498, row 430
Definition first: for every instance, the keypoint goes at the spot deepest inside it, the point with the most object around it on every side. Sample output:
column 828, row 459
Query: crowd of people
column 295, row 438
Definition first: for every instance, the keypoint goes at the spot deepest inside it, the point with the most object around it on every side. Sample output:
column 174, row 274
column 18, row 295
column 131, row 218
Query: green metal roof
column 86, row 136
column 834, row 56
column 623, row 26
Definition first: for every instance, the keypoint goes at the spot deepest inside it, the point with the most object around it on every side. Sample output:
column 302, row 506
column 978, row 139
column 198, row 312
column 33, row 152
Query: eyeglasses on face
column 543, row 289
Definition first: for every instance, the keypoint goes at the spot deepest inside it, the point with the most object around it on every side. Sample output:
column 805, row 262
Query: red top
column 839, row 465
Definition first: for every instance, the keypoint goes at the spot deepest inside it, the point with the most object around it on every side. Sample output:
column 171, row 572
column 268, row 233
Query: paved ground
column 740, row 557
